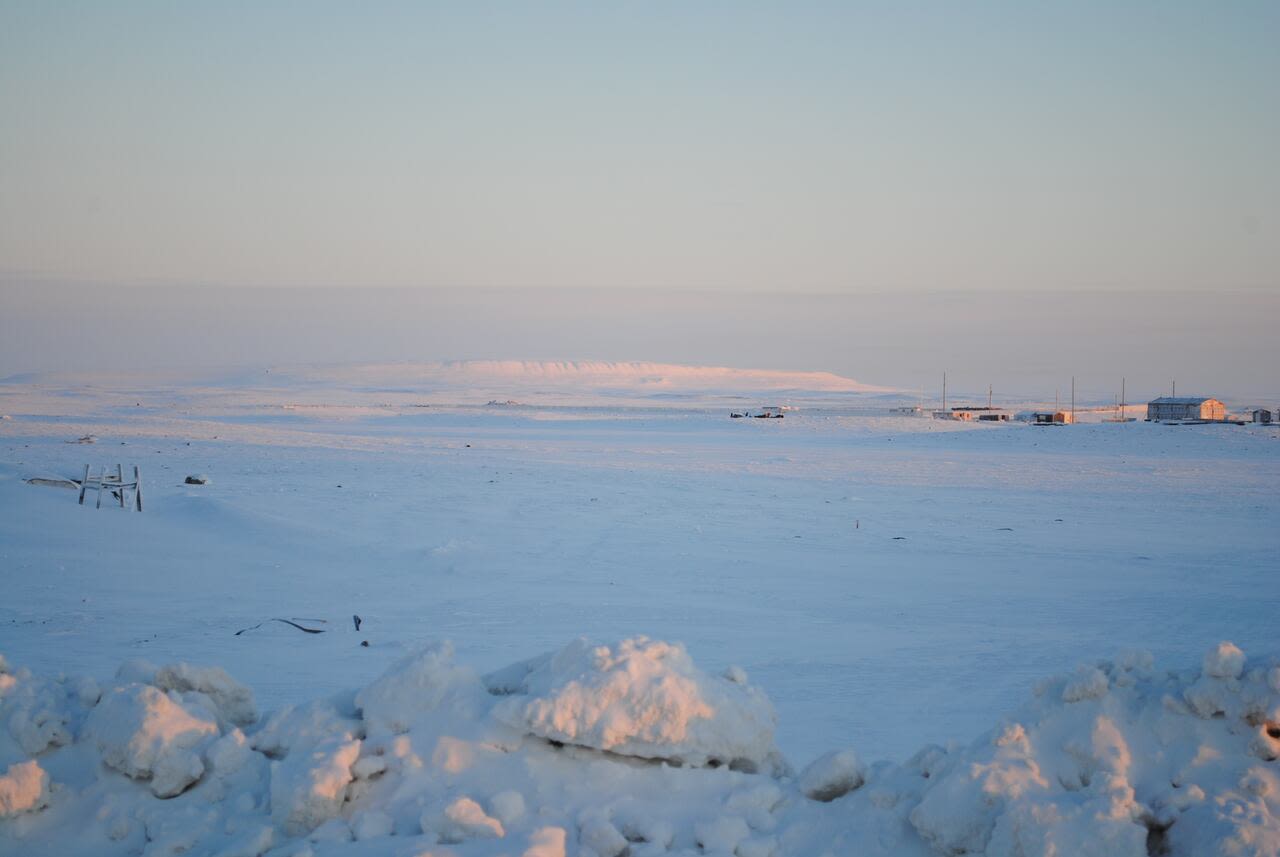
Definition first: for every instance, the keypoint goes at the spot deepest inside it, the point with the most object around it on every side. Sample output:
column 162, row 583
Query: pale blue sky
column 792, row 147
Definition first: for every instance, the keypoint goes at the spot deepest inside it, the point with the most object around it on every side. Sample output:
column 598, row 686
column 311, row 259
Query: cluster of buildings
column 1170, row 409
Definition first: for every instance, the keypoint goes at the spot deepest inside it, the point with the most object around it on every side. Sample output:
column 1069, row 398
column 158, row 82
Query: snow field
column 869, row 584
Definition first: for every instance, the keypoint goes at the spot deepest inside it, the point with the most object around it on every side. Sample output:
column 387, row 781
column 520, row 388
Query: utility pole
column 944, row 391
column 1073, row 399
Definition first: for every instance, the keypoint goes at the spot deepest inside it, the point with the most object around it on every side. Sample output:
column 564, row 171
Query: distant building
column 908, row 410
column 967, row 414
column 1052, row 418
column 1185, row 408
column 1262, row 415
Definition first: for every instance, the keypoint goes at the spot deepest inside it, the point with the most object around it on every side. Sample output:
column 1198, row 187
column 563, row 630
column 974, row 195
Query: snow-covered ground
column 882, row 583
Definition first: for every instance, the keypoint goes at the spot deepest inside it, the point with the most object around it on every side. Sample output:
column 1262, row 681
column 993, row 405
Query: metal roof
column 1182, row 400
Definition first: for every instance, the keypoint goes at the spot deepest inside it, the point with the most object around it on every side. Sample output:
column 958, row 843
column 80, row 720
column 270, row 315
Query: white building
column 1185, row 408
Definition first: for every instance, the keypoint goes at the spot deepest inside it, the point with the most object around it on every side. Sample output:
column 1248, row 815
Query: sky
column 655, row 154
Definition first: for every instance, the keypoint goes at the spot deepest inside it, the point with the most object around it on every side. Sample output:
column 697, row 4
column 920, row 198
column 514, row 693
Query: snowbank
column 606, row 750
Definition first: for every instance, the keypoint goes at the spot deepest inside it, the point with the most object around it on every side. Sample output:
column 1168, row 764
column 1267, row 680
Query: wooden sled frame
column 115, row 483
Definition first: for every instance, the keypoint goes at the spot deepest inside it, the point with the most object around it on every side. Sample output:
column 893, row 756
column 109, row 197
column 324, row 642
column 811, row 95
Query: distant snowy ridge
column 628, row 749
column 635, row 376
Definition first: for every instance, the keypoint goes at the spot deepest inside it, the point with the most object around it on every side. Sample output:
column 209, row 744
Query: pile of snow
column 609, row 750
column 23, row 788
column 643, row 698
column 146, row 734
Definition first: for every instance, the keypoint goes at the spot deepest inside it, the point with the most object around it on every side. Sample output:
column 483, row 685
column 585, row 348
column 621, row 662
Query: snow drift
column 604, row 750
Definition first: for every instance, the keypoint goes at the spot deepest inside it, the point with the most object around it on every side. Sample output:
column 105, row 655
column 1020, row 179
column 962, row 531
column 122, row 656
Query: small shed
column 1262, row 415
column 1052, row 418
column 1185, row 408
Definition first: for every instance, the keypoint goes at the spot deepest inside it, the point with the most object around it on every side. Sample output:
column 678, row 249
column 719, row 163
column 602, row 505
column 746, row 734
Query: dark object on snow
column 54, row 483
column 196, row 480
column 899, row 538
column 364, row 643
column 287, row 622
column 357, row 620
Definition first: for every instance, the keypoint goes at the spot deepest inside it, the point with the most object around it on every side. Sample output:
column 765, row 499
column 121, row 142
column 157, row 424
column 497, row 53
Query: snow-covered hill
column 579, row 376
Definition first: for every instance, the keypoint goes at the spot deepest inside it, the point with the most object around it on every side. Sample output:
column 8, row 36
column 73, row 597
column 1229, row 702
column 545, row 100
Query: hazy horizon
column 1025, row 344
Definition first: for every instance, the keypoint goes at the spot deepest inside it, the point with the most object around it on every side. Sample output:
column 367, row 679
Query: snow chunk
column 645, row 698
column 507, row 806
column 1224, row 661
column 546, row 842
column 721, row 834
column 1131, row 666
column 228, row 754
column 959, row 812
column 368, row 767
column 143, row 733
column 302, row 726
column 1208, row 697
column 756, row 804
column 37, row 710
column 308, row 788
column 254, row 842
column 1140, row 661
column 462, row 820
column 601, row 837
column 233, row 701
column 1063, row 827
column 832, row 775
column 23, row 788
column 418, row 684
column 372, row 824
column 639, row 826
column 1086, row 683
column 757, row 847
